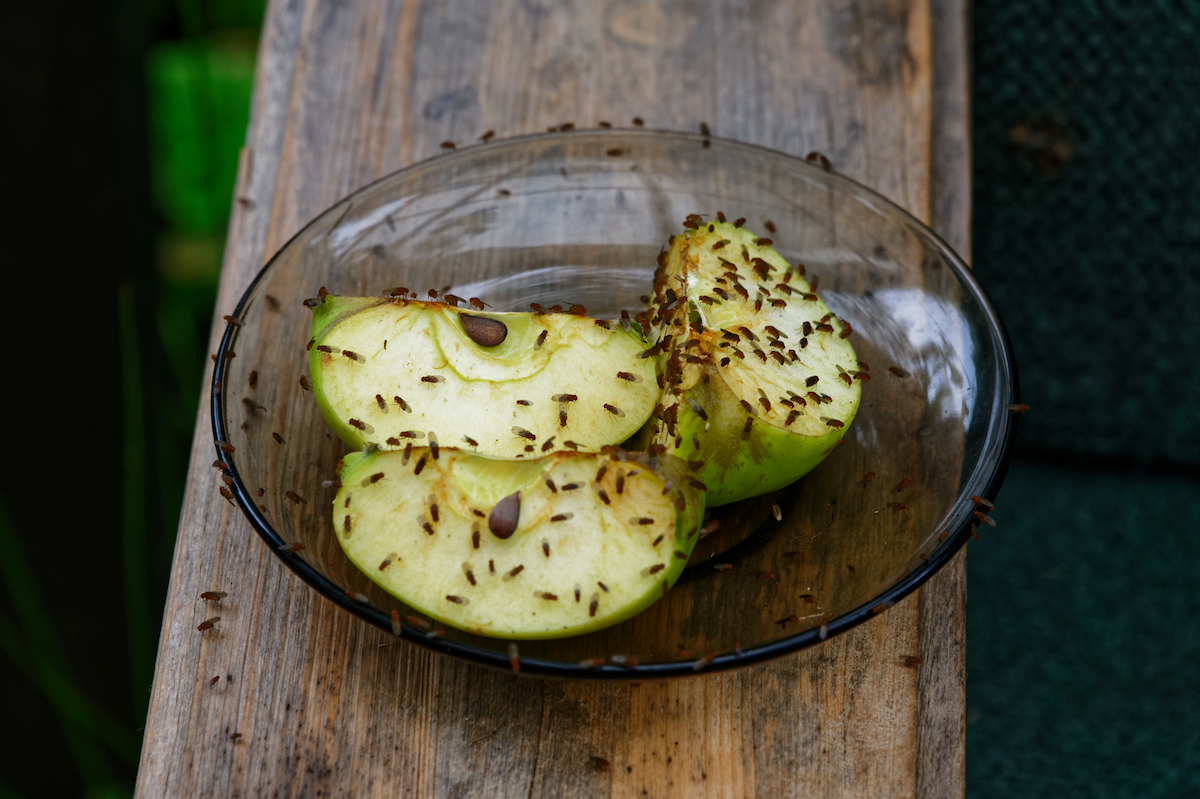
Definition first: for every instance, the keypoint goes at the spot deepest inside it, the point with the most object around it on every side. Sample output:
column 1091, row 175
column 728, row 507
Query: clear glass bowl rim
column 545, row 668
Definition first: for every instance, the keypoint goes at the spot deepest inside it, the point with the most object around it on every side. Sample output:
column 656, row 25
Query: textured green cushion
column 1083, row 646
column 1083, row 622
column 1086, row 123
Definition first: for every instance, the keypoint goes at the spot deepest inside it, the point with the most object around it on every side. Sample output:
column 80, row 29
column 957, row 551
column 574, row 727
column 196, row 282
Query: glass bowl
column 580, row 217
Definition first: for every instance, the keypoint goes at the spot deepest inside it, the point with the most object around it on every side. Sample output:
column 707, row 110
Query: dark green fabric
column 1083, row 652
column 1083, row 649
column 1087, row 217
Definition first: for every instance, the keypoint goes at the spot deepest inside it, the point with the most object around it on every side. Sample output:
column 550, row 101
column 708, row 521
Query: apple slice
column 528, row 549
column 394, row 372
column 761, row 377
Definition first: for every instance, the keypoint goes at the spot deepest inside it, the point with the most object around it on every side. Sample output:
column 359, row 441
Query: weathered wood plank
column 330, row 707
column 942, row 695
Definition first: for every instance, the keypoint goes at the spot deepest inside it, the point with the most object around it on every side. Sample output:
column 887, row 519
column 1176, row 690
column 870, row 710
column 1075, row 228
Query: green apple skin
column 736, row 462
column 761, row 378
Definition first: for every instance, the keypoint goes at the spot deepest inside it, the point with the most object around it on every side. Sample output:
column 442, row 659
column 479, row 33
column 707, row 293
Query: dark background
column 122, row 122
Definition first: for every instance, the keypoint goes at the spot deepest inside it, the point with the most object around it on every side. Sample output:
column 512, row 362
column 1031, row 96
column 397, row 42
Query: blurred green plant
column 199, row 105
column 199, row 74
column 199, row 92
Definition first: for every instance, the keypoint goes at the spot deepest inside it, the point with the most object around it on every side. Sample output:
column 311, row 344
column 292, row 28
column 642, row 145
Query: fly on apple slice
column 393, row 372
column 761, row 377
column 526, row 549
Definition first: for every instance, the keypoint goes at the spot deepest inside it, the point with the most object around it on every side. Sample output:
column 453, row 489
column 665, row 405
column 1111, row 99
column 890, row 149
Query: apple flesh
column 525, row 549
column 391, row 373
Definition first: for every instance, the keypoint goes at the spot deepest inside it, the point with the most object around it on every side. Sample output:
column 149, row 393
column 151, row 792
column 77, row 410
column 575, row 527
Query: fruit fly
column 983, row 517
column 208, row 624
column 817, row 158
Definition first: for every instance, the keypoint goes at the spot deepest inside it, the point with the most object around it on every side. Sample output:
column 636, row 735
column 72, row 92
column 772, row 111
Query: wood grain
column 328, row 706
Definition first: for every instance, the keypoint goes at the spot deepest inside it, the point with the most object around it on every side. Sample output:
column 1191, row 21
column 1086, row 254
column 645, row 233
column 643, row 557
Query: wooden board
column 328, row 706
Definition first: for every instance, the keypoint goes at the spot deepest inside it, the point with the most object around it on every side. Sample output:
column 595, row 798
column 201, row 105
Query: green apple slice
column 761, row 378
column 528, row 549
column 394, row 372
